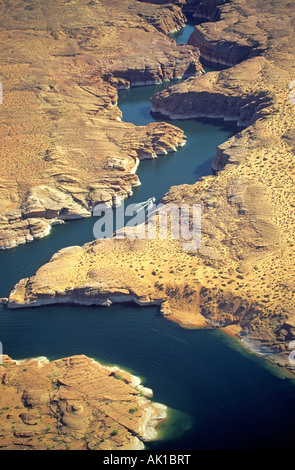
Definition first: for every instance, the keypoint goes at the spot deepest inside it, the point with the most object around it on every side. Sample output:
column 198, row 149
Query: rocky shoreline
column 242, row 274
column 74, row 403
column 220, row 95
column 67, row 148
column 242, row 277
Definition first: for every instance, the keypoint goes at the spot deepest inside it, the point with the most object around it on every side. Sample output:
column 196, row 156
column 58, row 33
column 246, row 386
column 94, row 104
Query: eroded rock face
column 64, row 146
column 224, row 95
column 254, row 162
column 15, row 232
column 220, row 284
column 225, row 38
column 73, row 403
column 241, row 277
column 203, row 10
column 169, row 20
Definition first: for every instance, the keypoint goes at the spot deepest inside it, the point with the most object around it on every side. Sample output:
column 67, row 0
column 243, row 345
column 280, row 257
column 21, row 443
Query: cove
column 219, row 395
column 189, row 163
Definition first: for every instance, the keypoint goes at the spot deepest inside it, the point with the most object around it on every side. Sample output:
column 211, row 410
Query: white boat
column 145, row 204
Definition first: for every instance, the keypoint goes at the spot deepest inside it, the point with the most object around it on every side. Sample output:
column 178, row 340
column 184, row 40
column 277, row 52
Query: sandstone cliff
column 242, row 276
column 63, row 145
column 257, row 164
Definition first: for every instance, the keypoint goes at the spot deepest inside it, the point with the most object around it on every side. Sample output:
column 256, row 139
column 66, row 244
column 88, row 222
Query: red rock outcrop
column 73, row 403
column 63, row 142
column 242, row 275
column 224, row 95
column 224, row 38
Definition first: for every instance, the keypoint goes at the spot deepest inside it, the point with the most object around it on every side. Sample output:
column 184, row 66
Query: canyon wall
column 64, row 146
column 241, row 278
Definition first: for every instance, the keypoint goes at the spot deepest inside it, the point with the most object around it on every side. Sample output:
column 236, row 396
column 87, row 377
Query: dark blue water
column 189, row 163
column 156, row 176
column 183, row 35
column 219, row 395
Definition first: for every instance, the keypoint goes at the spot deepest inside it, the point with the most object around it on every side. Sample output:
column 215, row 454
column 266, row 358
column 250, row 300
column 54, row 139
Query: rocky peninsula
column 242, row 277
column 64, row 147
column 74, row 403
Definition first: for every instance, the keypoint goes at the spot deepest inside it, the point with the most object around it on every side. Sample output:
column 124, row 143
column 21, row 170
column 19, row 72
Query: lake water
column 219, row 395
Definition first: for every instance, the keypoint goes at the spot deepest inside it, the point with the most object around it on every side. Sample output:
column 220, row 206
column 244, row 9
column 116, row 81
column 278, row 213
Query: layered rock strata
column 224, row 38
column 255, row 94
column 242, row 276
column 74, row 403
column 227, row 95
column 63, row 145
column 171, row 18
column 203, row 10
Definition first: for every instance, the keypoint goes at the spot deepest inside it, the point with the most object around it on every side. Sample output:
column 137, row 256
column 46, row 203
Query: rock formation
column 242, row 276
column 74, row 403
column 234, row 32
column 255, row 166
column 63, row 145
column 225, row 95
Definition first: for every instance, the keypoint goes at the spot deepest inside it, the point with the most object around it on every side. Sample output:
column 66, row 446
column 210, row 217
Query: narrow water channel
column 219, row 395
